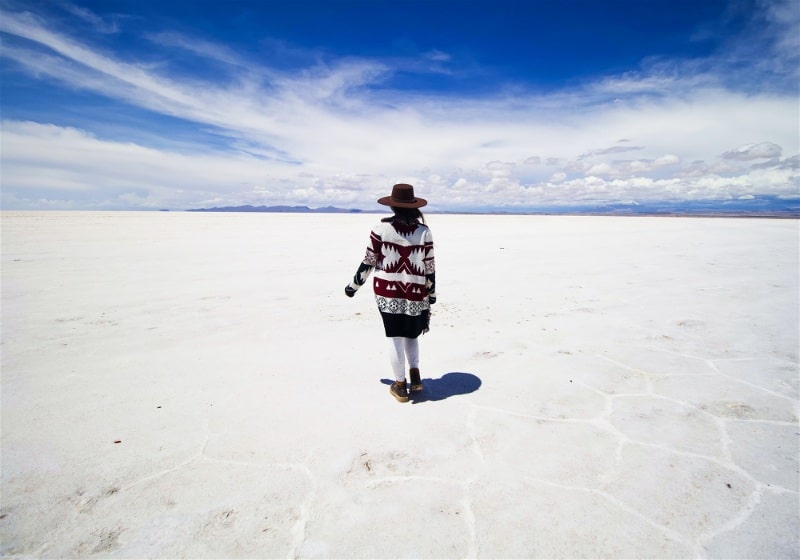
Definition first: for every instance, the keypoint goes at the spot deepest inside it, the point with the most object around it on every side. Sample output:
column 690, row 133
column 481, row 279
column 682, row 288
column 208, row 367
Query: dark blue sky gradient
column 540, row 43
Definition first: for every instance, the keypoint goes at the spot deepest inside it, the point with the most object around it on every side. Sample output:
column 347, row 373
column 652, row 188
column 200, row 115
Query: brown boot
column 399, row 391
column 416, row 382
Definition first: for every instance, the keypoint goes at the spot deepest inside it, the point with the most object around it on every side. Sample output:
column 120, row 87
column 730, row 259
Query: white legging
column 402, row 348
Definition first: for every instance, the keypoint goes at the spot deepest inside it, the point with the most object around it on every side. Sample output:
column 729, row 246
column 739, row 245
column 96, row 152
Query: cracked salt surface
column 636, row 393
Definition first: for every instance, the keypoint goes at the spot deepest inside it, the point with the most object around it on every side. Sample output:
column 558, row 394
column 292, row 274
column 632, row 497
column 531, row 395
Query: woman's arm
column 365, row 268
column 359, row 279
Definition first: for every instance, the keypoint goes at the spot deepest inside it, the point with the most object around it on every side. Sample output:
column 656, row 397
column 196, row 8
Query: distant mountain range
column 282, row 209
column 762, row 206
column 765, row 206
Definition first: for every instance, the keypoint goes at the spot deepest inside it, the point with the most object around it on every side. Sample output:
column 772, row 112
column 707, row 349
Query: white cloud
column 668, row 159
column 750, row 152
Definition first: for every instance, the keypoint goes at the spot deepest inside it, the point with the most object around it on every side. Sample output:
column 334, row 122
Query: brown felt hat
column 403, row 197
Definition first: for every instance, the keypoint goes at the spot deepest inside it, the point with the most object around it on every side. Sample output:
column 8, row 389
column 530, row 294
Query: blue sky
column 143, row 104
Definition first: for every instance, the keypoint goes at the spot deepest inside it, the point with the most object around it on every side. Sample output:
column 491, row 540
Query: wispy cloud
column 205, row 49
column 336, row 132
column 611, row 150
column 98, row 24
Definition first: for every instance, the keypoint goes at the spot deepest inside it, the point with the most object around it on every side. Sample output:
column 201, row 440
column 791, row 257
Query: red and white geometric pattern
column 402, row 255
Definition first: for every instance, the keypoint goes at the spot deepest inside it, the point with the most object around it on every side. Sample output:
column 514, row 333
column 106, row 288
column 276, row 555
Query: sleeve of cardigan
column 360, row 277
column 430, row 268
column 368, row 264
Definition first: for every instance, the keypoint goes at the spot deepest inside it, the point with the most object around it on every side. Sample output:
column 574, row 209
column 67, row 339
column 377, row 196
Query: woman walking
column 401, row 250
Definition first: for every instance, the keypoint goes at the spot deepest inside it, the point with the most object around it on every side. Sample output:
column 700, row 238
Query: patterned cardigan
column 405, row 279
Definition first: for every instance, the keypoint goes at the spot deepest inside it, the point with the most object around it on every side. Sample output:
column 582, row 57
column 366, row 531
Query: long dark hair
column 408, row 214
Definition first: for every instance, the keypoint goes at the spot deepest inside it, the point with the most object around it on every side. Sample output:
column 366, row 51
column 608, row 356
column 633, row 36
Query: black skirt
column 408, row 326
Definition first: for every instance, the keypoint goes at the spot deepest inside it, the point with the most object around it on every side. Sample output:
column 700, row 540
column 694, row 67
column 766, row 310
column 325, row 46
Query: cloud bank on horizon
column 508, row 105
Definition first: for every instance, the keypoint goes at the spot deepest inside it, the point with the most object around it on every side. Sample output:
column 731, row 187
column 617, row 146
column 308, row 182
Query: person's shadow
column 448, row 385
